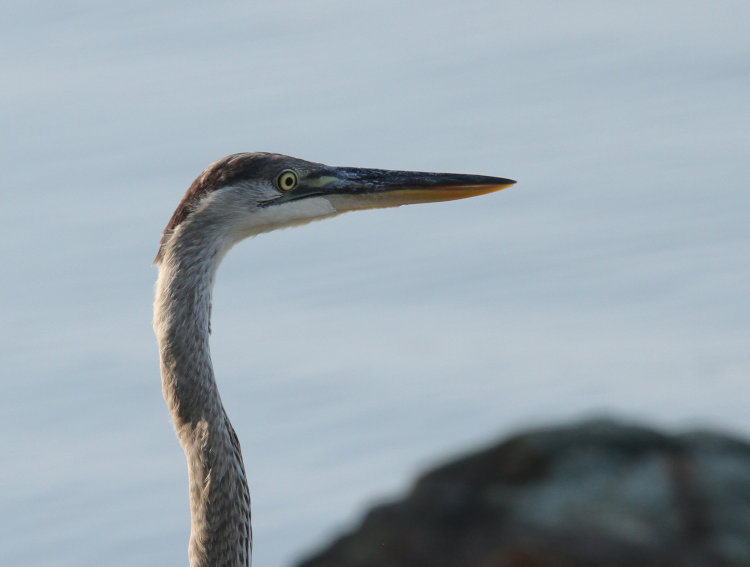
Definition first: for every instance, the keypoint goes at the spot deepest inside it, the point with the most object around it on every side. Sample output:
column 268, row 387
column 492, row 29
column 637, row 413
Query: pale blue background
column 355, row 352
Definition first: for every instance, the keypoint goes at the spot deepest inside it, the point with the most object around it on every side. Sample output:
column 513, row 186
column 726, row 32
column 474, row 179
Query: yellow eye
column 287, row 180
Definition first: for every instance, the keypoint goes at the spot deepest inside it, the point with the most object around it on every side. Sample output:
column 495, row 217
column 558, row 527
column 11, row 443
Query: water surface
column 355, row 352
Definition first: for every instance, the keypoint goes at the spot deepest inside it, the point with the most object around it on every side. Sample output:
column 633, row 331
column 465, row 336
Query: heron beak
column 349, row 188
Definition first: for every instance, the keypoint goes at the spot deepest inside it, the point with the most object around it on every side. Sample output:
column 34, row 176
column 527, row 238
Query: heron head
column 246, row 194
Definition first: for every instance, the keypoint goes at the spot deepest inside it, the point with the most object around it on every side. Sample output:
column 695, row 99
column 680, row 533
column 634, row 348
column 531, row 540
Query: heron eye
column 287, row 180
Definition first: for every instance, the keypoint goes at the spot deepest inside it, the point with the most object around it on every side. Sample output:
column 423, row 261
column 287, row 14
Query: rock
column 596, row 494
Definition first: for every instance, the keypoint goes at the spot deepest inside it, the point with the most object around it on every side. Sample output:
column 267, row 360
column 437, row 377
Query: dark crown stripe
column 229, row 170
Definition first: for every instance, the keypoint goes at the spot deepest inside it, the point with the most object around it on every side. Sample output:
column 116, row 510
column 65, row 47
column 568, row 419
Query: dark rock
column 596, row 494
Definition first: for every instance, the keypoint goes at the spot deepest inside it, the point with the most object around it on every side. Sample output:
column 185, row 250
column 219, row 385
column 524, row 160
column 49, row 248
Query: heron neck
column 219, row 496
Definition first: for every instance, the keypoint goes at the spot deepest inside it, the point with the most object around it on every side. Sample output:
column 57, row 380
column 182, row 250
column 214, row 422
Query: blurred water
column 354, row 352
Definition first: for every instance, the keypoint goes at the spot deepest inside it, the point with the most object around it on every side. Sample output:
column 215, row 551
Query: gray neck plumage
column 219, row 497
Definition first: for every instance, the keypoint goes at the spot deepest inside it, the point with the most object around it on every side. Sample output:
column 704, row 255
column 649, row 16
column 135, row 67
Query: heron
column 236, row 197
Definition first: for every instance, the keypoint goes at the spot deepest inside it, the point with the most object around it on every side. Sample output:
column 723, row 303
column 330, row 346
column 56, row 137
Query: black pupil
column 288, row 181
